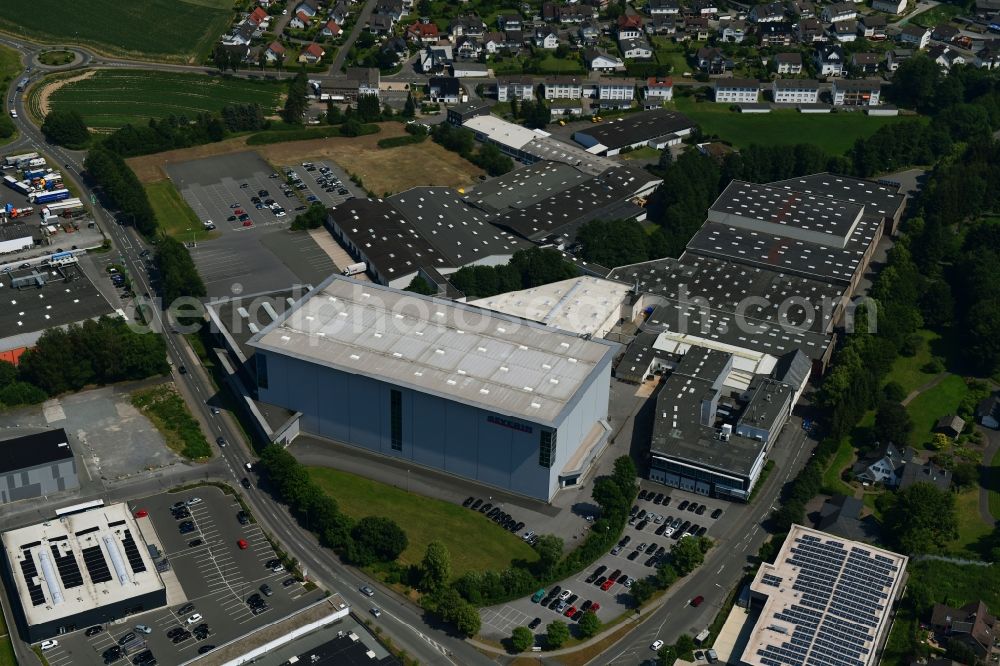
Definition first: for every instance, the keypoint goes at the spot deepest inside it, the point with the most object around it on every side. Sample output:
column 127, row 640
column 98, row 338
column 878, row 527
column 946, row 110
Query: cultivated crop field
column 175, row 30
column 112, row 97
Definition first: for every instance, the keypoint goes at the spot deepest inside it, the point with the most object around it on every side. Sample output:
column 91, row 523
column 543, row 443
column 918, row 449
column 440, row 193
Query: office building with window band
column 482, row 395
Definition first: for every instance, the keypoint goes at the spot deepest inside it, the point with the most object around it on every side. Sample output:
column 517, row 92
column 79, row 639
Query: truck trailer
column 36, row 162
column 21, row 212
column 17, row 159
column 66, row 205
column 17, row 185
column 45, row 197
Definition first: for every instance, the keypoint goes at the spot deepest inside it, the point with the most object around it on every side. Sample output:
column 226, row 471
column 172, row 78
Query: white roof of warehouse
column 453, row 350
column 99, row 540
column 578, row 305
column 502, row 131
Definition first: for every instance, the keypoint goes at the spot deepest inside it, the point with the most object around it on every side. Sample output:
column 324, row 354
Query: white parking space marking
column 505, row 619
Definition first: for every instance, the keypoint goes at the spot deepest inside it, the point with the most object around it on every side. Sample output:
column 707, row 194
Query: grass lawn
column 937, row 15
column 56, row 57
column 475, row 543
column 7, row 657
column 971, row 527
column 834, row 132
column 992, row 482
column 10, row 66
column 554, row 65
column 667, row 52
column 112, row 98
column 958, row 583
column 932, row 404
column 176, row 30
column 907, row 370
column 844, row 457
column 164, row 406
column 174, row 215
column 644, row 153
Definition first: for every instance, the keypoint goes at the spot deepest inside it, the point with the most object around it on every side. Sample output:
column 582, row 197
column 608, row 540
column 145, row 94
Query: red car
column 606, row 585
column 697, row 601
column 247, row 223
column 141, row 513
column 594, row 607
column 239, row 211
column 242, row 543
column 570, row 612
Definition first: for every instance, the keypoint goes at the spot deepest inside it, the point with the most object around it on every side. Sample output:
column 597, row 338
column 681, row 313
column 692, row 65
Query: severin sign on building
column 509, row 423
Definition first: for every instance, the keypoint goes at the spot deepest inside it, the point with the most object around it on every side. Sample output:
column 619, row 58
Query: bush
column 66, row 128
column 556, row 634
column 165, row 407
column 521, row 639
column 313, row 218
column 375, row 539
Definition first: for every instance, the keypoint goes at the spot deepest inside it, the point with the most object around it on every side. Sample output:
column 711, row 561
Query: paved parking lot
column 498, row 621
column 216, row 577
column 311, row 174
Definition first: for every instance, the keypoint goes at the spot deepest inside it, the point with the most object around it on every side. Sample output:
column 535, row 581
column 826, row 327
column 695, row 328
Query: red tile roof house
column 331, row 29
column 258, row 16
column 300, row 21
column 275, row 51
column 426, row 33
column 312, row 54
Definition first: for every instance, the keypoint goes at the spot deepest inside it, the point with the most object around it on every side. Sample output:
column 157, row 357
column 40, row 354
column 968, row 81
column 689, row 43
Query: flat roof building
column 35, row 465
column 526, row 186
column 584, row 305
column 80, row 569
column 825, row 600
column 656, row 128
column 448, row 385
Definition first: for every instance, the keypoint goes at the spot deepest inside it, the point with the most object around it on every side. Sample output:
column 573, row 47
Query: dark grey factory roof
column 637, row 127
column 603, row 196
column 793, row 369
column 679, row 434
column 57, row 303
column 778, row 210
column 637, row 357
column 33, row 450
column 724, row 285
column 526, row 186
column 877, row 199
column 15, row 230
column 462, row 234
column 768, row 398
column 388, row 239
column 827, row 264
column 704, row 363
column 346, row 650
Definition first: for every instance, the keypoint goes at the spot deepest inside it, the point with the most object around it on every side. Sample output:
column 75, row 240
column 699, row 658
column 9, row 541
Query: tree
column 521, row 639
column 965, row 474
column 624, row 475
column 376, row 539
column 550, row 549
column 893, row 392
column 410, row 108
column 8, row 373
column 684, row 647
column 642, row 590
column 921, row 519
column 686, row 556
column 313, row 218
column 333, row 114
column 589, row 625
column 614, row 242
column 66, row 128
column 467, row 619
column 436, row 566
column 419, row 285
column 666, row 656
column 556, row 634
column 893, row 423
column 296, row 103
column 666, row 575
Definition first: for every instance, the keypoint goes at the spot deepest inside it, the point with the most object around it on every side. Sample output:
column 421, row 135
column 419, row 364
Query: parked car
column 657, row 644
column 683, row 505
column 194, row 543
column 186, row 608
column 49, row 644
column 288, row 582
column 193, row 501
column 717, row 514
column 126, row 638
column 208, row 648
column 265, row 589
column 194, row 618
column 534, row 623
column 93, row 631
column 242, row 543
column 143, row 629
column 243, row 518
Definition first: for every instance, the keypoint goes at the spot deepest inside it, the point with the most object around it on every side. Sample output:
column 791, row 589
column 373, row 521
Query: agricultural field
column 111, row 98
column 161, row 30
column 834, row 132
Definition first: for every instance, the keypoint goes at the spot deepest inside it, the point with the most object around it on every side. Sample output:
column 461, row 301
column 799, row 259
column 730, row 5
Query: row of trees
column 65, row 127
column 121, row 188
column 96, row 352
column 244, row 117
column 178, row 274
column 297, row 100
column 527, row 268
column 166, row 134
column 462, row 141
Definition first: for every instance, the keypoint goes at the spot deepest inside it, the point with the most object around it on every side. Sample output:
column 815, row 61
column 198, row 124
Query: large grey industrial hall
column 451, row 386
column 36, row 465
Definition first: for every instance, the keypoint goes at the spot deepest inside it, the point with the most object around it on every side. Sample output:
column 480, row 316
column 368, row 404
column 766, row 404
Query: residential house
column 659, row 89
column 795, row 91
column 364, row 80
column 299, row 21
column 340, row 13
column 872, row 27
column 712, row 61
column 444, row 89
column 423, row 33
column 775, row 34
column 889, row 6
column 519, row 87
column 801, row 9
column 240, row 35
column 829, row 60
column 546, row 38
column 469, row 70
column 945, row 57
column 563, row 87
column 509, row 22
column 308, row 7
column 771, row 11
column 788, row 63
column 599, row 61
column 971, row 625
column 274, row 52
column 635, row 49
column 264, row 3
column 865, row 63
column 629, row 26
column 576, row 13
column 896, row 57
column 436, row 58
column 615, row 92
column 705, row 8
column 988, row 57
column 914, row 471
column 945, row 32
column 312, row 54
column 661, row 24
column 915, row 35
column 737, row 91
column 380, row 24
column 331, row 29
column 494, row 42
column 394, row 9
column 844, row 517
column 856, row 92
column 883, row 467
column 844, row 31
column 988, row 412
column 662, row 7
column 236, row 52
column 950, row 425
column 396, row 48
column 697, row 28
column 839, row 11
column 468, row 47
column 469, row 25
column 258, row 16
column 589, row 32
column 733, row 31
column 811, row 31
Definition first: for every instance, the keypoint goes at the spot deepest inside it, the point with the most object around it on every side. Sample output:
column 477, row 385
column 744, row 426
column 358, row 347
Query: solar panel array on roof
column 132, row 553
column 97, row 566
column 66, row 564
column 30, row 574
